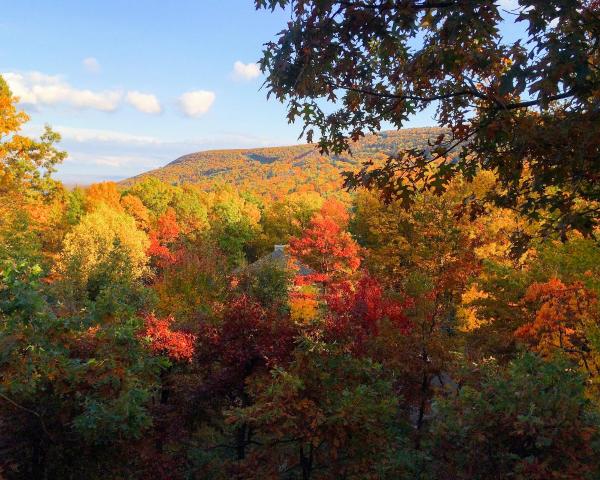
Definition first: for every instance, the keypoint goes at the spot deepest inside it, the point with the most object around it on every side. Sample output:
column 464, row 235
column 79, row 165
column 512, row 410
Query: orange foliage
column 563, row 316
column 105, row 192
column 134, row 207
column 336, row 211
column 161, row 239
column 304, row 305
column 278, row 171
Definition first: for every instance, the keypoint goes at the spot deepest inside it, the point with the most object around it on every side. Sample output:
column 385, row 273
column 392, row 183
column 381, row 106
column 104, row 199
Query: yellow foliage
column 468, row 314
column 96, row 237
column 304, row 306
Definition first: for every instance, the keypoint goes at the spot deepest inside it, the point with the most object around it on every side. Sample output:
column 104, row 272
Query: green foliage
column 190, row 208
column 154, row 194
column 577, row 259
column 18, row 241
column 71, row 387
column 75, row 206
column 268, row 283
column 530, row 422
column 235, row 225
column 113, row 289
column 326, row 414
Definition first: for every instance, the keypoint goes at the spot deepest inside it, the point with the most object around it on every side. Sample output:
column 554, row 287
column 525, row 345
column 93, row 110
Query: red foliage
column 162, row 238
column 249, row 337
column 327, row 249
column 178, row 346
column 167, row 227
column 358, row 310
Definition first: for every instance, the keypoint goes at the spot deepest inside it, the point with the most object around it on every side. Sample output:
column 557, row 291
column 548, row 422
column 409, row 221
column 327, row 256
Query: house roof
column 282, row 259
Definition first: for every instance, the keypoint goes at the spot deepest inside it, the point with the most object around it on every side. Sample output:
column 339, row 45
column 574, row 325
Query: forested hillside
column 281, row 170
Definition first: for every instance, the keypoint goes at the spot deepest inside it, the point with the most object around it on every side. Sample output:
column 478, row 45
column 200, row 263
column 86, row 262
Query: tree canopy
column 526, row 109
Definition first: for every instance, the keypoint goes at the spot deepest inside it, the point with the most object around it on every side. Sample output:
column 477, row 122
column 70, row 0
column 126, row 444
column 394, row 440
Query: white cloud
column 91, row 64
column 196, row 103
column 144, row 102
column 117, row 161
column 37, row 89
column 245, row 71
column 93, row 135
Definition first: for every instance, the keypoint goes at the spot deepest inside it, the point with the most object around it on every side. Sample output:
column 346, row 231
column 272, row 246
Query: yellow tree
column 95, row 240
column 134, row 207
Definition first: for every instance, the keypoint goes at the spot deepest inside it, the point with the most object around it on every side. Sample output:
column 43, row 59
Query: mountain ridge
column 282, row 170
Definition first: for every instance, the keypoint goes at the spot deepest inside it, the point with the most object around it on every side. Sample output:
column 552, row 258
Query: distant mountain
column 282, row 170
column 72, row 180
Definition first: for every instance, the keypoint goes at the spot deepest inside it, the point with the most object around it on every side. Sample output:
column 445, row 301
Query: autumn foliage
column 276, row 327
column 326, row 248
column 249, row 337
column 566, row 317
column 162, row 238
column 163, row 340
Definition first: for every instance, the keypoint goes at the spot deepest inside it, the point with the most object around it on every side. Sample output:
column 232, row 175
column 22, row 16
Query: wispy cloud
column 113, row 161
column 82, row 135
column 196, row 103
column 91, row 65
column 92, row 135
column 245, row 71
column 37, row 89
column 144, row 102
column 107, row 138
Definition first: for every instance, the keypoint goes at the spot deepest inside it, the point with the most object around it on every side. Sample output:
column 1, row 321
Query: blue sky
column 132, row 85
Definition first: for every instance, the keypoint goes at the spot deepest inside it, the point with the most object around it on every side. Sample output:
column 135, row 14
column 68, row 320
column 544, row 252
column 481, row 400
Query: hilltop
column 281, row 170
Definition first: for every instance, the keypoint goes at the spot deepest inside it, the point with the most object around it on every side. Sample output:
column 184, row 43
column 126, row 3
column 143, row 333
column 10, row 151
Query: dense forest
column 377, row 307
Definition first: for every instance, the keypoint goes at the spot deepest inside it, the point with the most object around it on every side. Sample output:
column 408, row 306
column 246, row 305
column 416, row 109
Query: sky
column 131, row 85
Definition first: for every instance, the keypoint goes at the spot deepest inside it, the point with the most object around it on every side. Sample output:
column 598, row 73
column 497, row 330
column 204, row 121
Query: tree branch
column 466, row 92
column 417, row 98
column 32, row 412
